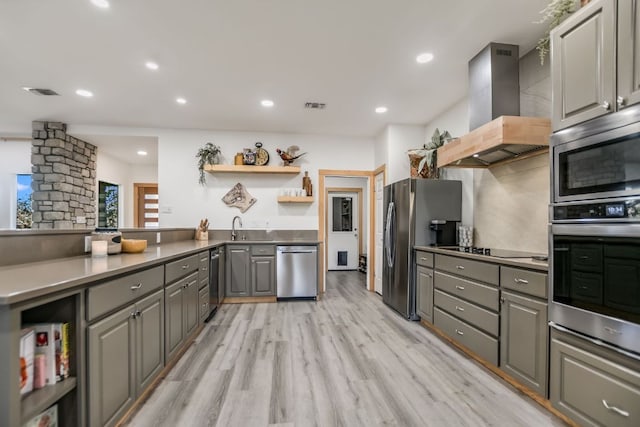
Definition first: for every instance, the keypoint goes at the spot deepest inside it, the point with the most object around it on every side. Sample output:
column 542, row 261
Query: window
column 342, row 220
column 24, row 211
column 107, row 204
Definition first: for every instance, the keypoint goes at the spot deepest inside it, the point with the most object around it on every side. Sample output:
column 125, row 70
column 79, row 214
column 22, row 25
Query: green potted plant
column 207, row 155
column 424, row 160
column 555, row 12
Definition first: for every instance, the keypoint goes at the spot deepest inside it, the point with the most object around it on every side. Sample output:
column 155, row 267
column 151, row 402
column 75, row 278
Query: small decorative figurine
column 306, row 184
column 289, row 155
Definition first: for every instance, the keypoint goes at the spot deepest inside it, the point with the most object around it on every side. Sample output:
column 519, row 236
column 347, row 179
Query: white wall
column 400, row 139
column 15, row 158
column 115, row 171
column 183, row 202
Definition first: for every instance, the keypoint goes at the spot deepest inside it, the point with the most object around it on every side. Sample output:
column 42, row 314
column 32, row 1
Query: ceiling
column 125, row 148
column 224, row 57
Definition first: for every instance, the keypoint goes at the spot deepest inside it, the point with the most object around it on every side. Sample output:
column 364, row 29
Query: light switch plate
column 81, row 219
column 158, row 237
column 87, row 243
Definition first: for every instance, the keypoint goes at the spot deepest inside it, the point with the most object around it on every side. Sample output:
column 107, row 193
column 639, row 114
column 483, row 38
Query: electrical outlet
column 158, row 237
column 87, row 243
column 81, row 219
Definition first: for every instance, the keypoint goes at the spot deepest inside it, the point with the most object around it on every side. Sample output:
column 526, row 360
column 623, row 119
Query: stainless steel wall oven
column 594, row 254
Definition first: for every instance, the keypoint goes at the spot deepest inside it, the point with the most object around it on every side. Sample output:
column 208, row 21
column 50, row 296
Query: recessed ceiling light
column 181, row 101
column 267, row 103
column 423, row 58
column 27, row 88
column 85, row 93
column 151, row 65
column 381, row 110
column 102, row 4
column 142, row 153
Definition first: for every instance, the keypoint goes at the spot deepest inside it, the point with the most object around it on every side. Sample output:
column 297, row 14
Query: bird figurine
column 289, row 155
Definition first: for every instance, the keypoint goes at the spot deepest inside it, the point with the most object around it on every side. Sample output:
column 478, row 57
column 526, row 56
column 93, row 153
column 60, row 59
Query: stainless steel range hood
column 498, row 133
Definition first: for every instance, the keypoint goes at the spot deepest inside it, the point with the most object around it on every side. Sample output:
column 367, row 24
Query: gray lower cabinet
column 237, row 271
column 263, row 275
column 125, row 353
column 181, row 313
column 591, row 384
column 424, row 289
column 523, row 340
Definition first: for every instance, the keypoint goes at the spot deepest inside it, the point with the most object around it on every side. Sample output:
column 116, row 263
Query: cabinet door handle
column 606, row 105
column 429, row 275
column 459, row 308
column 620, row 100
column 459, row 332
column 460, row 267
column 584, row 257
column 502, row 300
column 521, row 281
column 460, row 287
column 185, row 266
column 204, row 268
column 614, row 409
column 136, row 286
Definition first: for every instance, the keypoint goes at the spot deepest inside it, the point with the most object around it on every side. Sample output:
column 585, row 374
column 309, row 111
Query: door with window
column 343, row 231
column 145, row 205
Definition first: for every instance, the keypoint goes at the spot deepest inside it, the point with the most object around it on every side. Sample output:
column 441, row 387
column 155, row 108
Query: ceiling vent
column 41, row 92
column 315, row 105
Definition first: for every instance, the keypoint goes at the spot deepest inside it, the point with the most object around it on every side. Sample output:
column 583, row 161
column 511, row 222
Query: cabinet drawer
column 590, row 387
column 477, row 293
column 180, row 268
column 475, row 340
column 110, row 295
column 424, row 259
column 203, row 303
column 476, row 270
column 263, row 250
column 479, row 317
column 525, row 281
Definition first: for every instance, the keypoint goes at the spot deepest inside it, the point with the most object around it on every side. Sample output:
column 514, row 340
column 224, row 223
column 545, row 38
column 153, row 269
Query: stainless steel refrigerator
column 409, row 207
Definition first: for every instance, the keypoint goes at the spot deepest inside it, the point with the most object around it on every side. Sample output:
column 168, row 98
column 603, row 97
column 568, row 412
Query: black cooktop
column 498, row 253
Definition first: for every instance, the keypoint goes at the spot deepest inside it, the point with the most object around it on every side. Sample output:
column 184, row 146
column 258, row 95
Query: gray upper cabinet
column 263, row 275
column 424, row 289
column 584, row 62
column 628, row 53
column 238, row 271
column 111, row 372
column 523, row 340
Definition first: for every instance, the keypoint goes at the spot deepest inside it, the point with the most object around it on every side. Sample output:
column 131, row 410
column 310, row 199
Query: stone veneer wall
column 63, row 178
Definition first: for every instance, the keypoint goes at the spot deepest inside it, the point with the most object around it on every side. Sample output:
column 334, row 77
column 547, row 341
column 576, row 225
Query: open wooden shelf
column 38, row 400
column 295, row 199
column 251, row 169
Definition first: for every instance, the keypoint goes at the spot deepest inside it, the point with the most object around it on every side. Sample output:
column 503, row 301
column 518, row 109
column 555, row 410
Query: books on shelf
column 48, row 418
column 51, row 349
column 27, row 347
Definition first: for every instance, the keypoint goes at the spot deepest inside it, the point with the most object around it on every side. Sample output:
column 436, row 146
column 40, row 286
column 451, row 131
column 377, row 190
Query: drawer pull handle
column 612, row 331
column 614, row 409
column 185, row 266
column 584, row 257
column 136, row 286
column 459, row 308
column 460, row 267
column 204, row 268
column 423, row 259
column 459, row 332
column 460, row 287
column 521, row 281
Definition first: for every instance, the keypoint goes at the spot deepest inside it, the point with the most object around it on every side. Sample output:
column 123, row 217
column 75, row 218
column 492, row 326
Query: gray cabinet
column 263, row 275
column 424, row 289
column 149, row 339
column 592, row 384
column 181, row 313
column 237, row 271
column 589, row 78
column 250, row 270
column 523, row 340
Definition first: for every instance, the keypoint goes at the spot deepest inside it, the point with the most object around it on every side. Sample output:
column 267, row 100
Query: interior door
column 145, row 209
column 343, row 229
column 379, row 232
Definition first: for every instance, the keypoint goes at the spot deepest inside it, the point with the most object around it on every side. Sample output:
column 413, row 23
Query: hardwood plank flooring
column 345, row 360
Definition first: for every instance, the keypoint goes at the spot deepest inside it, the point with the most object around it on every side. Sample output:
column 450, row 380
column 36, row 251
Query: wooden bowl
column 133, row 246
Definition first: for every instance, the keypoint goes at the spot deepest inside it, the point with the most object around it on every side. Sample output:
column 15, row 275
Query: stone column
column 63, row 178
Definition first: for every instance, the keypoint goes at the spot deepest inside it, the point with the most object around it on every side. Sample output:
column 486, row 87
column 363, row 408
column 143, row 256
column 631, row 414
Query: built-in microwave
column 598, row 159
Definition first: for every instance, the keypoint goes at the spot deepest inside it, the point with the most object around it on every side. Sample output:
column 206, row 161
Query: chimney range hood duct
column 494, row 84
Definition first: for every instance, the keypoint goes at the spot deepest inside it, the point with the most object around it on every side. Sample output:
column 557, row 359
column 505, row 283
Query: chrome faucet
column 234, row 235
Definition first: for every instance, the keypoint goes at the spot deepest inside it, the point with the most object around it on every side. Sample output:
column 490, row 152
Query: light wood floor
column 345, row 360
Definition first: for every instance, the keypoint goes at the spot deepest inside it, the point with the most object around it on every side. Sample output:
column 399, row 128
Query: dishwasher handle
column 297, row 252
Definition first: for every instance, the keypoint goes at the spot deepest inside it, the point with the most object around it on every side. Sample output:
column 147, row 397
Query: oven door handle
column 595, row 341
column 600, row 230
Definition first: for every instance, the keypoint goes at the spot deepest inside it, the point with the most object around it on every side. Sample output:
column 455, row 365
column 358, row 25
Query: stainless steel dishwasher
column 297, row 272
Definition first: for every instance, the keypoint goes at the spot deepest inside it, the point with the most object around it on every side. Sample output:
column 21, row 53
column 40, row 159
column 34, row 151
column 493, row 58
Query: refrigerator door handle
column 393, row 234
column 387, row 234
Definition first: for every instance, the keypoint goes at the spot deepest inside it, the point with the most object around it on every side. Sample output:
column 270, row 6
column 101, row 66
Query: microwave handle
column 593, row 341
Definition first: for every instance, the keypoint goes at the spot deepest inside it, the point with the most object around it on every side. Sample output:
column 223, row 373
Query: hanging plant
column 428, row 154
column 555, row 12
column 207, row 155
